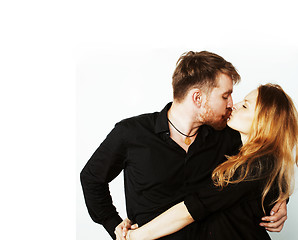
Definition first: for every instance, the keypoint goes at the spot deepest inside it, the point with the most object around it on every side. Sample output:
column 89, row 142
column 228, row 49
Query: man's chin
column 219, row 125
column 223, row 122
column 220, row 122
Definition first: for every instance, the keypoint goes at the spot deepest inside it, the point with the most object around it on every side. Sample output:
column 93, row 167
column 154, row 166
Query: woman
column 246, row 185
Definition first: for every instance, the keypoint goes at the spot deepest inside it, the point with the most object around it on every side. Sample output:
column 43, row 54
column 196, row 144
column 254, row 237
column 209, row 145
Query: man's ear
column 197, row 97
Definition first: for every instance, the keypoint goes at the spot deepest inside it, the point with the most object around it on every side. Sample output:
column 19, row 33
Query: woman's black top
column 234, row 212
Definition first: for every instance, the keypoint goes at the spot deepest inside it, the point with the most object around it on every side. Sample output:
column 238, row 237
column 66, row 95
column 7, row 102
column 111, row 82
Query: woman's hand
column 122, row 229
column 130, row 235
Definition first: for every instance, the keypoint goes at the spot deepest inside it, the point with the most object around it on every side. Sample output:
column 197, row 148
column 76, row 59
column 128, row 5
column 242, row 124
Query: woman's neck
column 243, row 138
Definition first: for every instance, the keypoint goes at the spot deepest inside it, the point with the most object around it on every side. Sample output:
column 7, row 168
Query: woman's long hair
column 274, row 133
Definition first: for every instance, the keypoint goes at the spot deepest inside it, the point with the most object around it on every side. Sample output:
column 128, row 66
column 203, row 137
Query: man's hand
column 122, row 229
column 277, row 218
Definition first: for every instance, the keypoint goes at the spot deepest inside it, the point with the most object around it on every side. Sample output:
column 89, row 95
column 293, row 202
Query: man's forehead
column 224, row 84
column 223, row 89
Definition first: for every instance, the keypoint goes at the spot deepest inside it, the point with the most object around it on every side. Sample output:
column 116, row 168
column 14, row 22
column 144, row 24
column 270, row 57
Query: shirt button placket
column 185, row 173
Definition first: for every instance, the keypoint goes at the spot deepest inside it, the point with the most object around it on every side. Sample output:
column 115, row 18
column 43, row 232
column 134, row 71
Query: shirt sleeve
column 104, row 165
column 211, row 199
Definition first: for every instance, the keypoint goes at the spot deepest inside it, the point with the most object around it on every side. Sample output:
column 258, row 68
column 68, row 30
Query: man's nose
column 230, row 102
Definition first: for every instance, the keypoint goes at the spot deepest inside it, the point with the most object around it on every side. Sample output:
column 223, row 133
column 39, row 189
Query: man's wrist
column 111, row 223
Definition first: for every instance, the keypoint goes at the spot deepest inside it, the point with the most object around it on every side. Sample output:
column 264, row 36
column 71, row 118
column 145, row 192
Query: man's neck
column 184, row 118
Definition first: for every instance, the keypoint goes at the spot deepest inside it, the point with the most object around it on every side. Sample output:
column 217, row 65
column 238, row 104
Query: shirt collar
column 161, row 124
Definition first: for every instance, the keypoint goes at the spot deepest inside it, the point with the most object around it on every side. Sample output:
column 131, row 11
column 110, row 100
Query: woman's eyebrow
column 247, row 101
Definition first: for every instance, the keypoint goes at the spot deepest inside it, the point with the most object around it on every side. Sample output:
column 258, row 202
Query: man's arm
column 277, row 218
column 104, row 165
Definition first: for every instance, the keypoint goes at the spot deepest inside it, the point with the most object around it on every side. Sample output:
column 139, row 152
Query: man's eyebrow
column 228, row 92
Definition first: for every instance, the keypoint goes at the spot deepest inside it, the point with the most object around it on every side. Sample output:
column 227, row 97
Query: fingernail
column 261, row 224
column 272, row 212
column 264, row 219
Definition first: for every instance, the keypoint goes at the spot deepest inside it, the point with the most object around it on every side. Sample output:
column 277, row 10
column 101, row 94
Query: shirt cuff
column 111, row 223
column 195, row 207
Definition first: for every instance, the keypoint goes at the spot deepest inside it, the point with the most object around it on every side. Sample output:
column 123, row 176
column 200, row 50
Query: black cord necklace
column 187, row 140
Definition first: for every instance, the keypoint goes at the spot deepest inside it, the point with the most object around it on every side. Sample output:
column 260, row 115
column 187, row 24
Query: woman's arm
column 172, row 220
column 195, row 207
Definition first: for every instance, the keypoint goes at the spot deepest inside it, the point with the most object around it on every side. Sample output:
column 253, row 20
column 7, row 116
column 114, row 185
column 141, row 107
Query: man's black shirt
column 158, row 173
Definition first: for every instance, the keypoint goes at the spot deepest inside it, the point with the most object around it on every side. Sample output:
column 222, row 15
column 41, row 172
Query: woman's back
column 235, row 211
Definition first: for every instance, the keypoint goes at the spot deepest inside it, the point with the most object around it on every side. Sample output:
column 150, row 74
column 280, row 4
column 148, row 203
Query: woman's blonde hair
column 274, row 133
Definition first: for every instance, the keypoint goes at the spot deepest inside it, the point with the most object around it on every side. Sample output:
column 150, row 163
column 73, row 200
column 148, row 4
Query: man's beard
column 220, row 122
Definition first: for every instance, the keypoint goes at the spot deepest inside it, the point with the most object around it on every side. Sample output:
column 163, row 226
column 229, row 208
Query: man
column 169, row 154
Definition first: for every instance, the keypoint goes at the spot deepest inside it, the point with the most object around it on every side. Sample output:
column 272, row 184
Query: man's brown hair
column 200, row 70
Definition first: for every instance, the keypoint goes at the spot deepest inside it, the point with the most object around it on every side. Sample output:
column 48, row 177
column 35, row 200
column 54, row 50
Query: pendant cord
column 181, row 132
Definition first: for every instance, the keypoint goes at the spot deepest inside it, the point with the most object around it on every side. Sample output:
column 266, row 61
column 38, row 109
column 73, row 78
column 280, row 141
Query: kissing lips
column 226, row 117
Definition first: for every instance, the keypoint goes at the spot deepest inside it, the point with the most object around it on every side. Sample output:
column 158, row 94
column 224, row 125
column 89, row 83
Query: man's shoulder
column 227, row 137
column 139, row 120
column 227, row 132
column 231, row 132
column 232, row 139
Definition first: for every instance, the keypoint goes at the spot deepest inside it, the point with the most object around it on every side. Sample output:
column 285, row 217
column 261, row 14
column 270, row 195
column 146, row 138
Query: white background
column 121, row 54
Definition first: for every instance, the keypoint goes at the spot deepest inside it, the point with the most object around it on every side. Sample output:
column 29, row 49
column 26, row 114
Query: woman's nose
column 236, row 106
